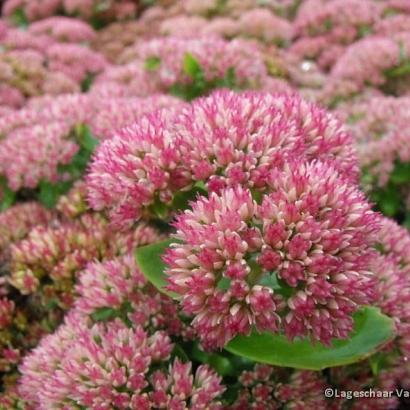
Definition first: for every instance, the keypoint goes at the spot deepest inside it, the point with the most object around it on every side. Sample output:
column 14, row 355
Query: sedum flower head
column 29, row 155
column 118, row 288
column 17, row 221
column 267, row 387
column 219, row 141
column 112, row 366
column 59, row 253
column 298, row 261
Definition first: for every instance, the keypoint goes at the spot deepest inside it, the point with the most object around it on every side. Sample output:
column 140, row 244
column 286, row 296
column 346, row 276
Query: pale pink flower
column 11, row 96
column 30, row 155
column 17, row 39
column 129, row 80
column 380, row 127
column 392, row 24
column 33, row 9
column 365, row 61
column 394, row 240
column 337, row 17
column 63, row 29
column 17, row 221
column 215, row 56
column 74, row 60
column 183, row 26
column 222, row 26
column 265, row 25
column 116, row 113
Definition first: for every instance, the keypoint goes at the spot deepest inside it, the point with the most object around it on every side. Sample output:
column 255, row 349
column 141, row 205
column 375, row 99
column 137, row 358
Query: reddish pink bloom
column 222, row 140
column 108, row 366
column 136, row 168
column 298, row 262
column 267, row 387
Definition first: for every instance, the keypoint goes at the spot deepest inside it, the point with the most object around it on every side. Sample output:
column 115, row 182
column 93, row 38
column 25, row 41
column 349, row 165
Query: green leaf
column 180, row 353
column 87, row 82
column 401, row 173
column 181, row 199
column 399, row 71
column 389, row 200
column 151, row 265
column 371, row 332
column 223, row 283
column 7, row 196
column 19, row 18
column 49, row 193
column 152, row 63
column 103, row 314
column 85, row 138
column 222, row 365
column 191, row 66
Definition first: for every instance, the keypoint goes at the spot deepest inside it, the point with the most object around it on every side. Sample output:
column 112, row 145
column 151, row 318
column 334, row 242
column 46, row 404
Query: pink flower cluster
column 58, row 253
column 30, row 155
column 84, row 9
column 298, row 261
column 214, row 55
column 381, row 127
column 259, row 23
column 42, row 137
column 63, row 29
column 112, row 366
column 120, row 286
column 17, row 222
column 266, row 387
column 219, row 141
column 116, row 113
column 339, row 19
column 34, row 10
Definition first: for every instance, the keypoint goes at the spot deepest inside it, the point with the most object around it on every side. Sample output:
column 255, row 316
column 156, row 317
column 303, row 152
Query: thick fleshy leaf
column 149, row 260
column 372, row 331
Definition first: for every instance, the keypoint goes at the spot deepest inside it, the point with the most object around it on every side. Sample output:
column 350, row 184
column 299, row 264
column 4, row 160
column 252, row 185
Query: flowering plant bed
column 204, row 205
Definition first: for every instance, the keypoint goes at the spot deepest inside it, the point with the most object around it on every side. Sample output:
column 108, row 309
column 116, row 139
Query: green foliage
column 7, row 196
column 276, row 349
column 19, row 18
column 152, row 63
column 302, row 354
column 149, row 260
column 87, row 82
column 180, row 202
column 48, row 192
column 199, row 85
column 106, row 314
column 389, row 198
column 399, row 71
